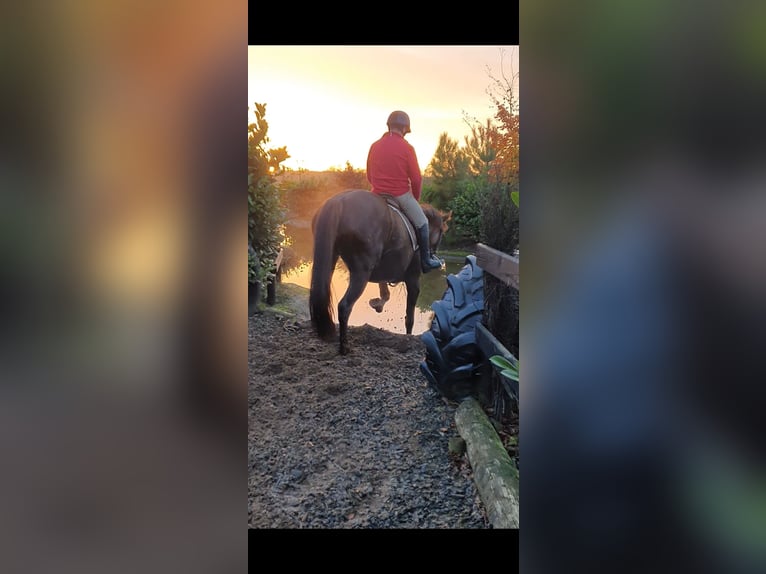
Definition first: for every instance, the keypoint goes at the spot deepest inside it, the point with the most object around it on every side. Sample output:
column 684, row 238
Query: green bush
column 499, row 221
column 265, row 213
column 265, row 224
column 466, row 211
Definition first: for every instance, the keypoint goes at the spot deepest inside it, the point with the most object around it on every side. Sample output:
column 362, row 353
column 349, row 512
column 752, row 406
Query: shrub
column 265, row 213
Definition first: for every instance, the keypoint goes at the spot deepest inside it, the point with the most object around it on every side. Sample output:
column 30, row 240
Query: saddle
column 407, row 223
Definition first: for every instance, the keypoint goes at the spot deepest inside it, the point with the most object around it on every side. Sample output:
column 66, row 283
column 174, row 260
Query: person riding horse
column 393, row 171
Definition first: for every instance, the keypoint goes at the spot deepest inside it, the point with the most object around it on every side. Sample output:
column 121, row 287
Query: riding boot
column 427, row 261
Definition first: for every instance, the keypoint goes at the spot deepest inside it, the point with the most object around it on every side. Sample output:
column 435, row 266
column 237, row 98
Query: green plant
column 252, row 266
column 265, row 212
column 466, row 209
column 509, row 370
column 499, row 221
column 448, row 167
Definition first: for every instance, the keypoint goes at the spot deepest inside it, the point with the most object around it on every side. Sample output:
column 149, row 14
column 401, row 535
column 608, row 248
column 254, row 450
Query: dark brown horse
column 359, row 227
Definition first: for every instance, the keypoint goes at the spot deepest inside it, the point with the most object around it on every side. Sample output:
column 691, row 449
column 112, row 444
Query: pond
column 432, row 287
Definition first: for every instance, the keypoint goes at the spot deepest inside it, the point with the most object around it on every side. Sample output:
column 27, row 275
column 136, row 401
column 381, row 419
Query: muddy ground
column 356, row 441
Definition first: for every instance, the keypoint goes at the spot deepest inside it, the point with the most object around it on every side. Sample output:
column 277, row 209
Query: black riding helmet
column 399, row 119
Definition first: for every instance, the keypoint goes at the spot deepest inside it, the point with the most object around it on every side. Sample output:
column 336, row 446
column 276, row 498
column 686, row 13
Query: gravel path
column 349, row 442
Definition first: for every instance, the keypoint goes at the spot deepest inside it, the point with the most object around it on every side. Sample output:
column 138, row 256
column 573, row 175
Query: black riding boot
column 427, row 261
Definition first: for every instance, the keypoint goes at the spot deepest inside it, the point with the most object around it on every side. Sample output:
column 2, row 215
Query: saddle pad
column 407, row 223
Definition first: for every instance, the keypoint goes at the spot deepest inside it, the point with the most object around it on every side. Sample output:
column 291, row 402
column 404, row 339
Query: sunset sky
column 327, row 104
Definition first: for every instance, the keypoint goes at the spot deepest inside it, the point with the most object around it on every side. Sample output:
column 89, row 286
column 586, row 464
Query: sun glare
column 327, row 104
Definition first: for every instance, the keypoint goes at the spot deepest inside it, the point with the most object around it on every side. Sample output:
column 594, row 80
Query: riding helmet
column 400, row 119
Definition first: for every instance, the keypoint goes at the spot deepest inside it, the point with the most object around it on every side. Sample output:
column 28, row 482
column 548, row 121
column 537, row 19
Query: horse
column 372, row 239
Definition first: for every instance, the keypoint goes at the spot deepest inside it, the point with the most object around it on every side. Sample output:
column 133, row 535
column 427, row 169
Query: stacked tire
column 453, row 361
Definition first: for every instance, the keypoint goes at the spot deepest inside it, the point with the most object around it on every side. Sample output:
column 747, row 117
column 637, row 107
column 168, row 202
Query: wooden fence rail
column 503, row 266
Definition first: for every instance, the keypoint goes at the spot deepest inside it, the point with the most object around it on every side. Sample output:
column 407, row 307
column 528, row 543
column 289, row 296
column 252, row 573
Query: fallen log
column 495, row 474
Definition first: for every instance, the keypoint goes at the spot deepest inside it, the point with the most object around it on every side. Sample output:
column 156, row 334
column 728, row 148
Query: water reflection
column 300, row 243
column 432, row 285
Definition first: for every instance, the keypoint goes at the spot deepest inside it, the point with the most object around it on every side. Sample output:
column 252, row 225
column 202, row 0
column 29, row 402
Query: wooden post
column 271, row 286
column 253, row 297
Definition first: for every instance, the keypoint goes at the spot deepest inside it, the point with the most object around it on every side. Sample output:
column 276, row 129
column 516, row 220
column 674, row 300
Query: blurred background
column 123, row 350
column 644, row 296
column 123, row 328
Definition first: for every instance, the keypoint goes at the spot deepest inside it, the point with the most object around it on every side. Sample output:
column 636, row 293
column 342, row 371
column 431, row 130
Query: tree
column 265, row 213
column 505, row 167
column 480, row 149
column 351, row 178
column 466, row 210
column 500, row 216
column 479, row 152
column 448, row 167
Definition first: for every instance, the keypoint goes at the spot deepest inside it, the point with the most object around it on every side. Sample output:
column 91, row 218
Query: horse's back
column 368, row 233
column 362, row 202
column 359, row 212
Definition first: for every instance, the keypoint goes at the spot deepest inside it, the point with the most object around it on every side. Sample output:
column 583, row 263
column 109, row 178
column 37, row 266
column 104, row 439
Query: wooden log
column 495, row 474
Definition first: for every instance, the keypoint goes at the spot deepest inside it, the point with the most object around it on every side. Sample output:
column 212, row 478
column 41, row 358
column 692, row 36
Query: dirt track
column 356, row 441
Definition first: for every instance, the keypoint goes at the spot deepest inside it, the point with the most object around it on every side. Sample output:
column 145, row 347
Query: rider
column 392, row 170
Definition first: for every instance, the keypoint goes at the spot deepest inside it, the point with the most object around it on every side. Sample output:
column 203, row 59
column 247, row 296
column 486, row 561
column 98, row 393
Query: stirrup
column 431, row 264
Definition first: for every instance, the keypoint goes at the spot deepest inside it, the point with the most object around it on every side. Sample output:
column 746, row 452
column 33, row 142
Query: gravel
column 356, row 441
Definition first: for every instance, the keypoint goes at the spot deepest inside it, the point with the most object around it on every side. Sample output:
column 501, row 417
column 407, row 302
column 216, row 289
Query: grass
column 453, row 254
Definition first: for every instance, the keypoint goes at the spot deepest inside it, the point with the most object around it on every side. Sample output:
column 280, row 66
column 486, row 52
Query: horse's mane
column 436, row 216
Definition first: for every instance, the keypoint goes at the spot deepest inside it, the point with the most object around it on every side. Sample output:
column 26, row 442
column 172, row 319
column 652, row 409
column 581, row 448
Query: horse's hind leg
column 413, row 291
column 356, row 286
column 379, row 302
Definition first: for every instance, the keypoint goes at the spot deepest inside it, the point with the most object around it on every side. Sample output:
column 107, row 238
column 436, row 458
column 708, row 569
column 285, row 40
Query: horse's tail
column 320, row 305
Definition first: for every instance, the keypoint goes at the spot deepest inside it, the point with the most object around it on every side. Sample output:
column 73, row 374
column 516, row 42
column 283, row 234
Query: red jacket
column 392, row 166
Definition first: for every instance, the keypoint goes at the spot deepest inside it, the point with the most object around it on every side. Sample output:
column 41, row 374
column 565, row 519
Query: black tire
column 453, row 359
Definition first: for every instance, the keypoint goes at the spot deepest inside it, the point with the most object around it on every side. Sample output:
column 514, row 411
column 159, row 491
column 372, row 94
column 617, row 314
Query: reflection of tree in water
column 292, row 261
column 298, row 253
column 291, row 264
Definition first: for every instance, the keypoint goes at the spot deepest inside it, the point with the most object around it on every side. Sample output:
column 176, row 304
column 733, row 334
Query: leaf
column 501, row 362
column 515, row 198
column 509, row 370
column 513, row 375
